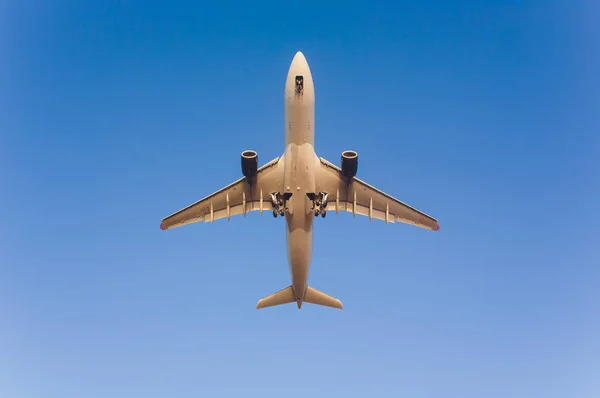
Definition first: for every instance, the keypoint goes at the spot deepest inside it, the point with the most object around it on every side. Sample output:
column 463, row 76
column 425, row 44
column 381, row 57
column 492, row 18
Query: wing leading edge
column 358, row 197
column 236, row 198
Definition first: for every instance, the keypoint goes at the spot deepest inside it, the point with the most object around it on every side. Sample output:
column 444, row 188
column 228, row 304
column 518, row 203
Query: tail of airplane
column 286, row 296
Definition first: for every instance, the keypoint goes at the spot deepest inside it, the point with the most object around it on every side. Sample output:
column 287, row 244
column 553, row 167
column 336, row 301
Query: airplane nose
column 299, row 60
column 299, row 80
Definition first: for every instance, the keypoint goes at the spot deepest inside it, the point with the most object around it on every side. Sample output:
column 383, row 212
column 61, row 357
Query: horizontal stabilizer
column 311, row 295
column 314, row 296
column 284, row 296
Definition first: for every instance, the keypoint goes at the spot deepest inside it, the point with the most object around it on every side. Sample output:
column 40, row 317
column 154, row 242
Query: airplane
column 299, row 186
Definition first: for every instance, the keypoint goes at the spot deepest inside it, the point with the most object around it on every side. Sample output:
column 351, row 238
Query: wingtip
column 163, row 226
column 437, row 228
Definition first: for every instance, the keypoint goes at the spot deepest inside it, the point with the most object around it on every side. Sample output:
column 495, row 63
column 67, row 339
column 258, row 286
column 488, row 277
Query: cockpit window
column 299, row 84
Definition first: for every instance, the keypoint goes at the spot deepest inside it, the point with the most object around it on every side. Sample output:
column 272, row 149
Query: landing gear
column 278, row 201
column 299, row 85
column 319, row 203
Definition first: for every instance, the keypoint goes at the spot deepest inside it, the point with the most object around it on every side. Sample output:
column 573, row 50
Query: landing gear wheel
column 281, row 212
column 323, row 213
column 275, row 213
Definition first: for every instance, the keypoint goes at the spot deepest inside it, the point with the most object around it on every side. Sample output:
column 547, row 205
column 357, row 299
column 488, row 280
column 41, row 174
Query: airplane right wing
column 238, row 197
column 358, row 197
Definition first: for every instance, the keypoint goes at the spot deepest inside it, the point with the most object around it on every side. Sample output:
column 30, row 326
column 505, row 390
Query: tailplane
column 286, row 296
column 315, row 296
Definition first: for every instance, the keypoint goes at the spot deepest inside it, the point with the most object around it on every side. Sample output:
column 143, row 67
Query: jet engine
column 349, row 163
column 249, row 163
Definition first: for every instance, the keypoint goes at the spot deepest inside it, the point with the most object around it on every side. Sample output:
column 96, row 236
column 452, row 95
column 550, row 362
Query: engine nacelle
column 249, row 163
column 349, row 163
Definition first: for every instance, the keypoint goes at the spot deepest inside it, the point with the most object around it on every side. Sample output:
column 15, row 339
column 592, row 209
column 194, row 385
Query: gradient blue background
column 481, row 113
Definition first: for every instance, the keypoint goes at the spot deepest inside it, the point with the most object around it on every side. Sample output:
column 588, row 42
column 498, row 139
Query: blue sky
column 481, row 113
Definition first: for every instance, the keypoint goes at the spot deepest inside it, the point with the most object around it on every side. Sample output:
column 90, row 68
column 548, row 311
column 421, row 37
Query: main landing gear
column 278, row 201
column 319, row 203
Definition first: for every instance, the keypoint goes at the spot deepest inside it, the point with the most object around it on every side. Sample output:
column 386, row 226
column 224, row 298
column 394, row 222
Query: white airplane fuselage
column 299, row 174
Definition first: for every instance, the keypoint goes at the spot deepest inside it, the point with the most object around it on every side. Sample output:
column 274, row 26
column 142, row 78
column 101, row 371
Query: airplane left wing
column 236, row 198
column 358, row 197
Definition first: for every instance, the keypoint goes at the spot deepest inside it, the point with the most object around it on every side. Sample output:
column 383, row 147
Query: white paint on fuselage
column 299, row 174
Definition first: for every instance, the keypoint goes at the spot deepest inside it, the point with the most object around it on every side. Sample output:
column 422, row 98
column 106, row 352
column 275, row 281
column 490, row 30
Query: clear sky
column 483, row 114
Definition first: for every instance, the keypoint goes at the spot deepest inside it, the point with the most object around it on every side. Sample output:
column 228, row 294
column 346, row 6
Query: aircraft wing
column 358, row 197
column 236, row 198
